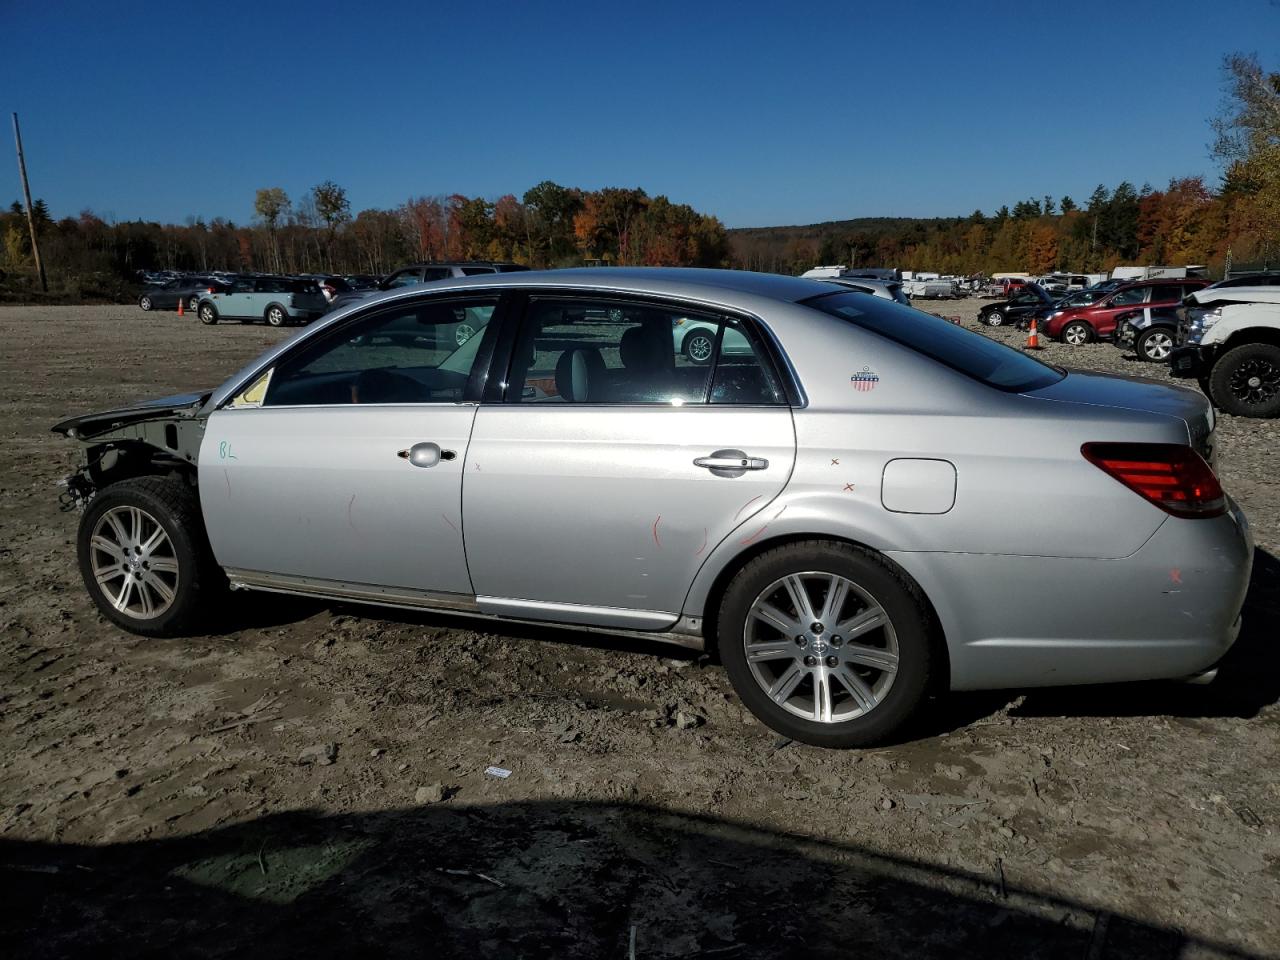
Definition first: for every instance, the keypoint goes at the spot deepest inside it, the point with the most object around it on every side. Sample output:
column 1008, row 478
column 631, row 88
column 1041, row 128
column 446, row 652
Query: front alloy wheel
column 1077, row 333
column 995, row 318
column 463, row 332
column 144, row 302
column 144, row 556
column 826, row 644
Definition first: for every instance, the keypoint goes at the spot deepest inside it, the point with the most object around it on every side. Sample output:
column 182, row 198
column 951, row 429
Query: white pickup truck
column 1230, row 341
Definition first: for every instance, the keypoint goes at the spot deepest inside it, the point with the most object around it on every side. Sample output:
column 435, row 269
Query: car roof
column 694, row 282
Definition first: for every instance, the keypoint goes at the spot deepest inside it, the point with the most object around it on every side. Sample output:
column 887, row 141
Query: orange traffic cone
column 180, row 302
column 1033, row 337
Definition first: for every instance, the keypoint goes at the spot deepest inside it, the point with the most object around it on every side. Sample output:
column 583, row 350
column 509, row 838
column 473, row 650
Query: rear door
column 613, row 463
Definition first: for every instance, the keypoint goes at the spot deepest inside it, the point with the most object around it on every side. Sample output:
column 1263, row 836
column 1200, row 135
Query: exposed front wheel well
column 711, row 609
column 1251, row 335
column 113, row 462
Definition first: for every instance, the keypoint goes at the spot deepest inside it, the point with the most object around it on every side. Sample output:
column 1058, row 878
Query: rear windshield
column 963, row 350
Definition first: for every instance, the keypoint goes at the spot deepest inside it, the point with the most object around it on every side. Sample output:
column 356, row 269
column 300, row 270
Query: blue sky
column 762, row 113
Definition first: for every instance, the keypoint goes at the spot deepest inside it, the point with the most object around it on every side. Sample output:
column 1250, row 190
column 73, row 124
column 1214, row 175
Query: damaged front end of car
column 153, row 438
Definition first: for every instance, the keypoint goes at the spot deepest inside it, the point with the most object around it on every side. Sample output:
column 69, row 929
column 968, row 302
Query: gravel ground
column 311, row 778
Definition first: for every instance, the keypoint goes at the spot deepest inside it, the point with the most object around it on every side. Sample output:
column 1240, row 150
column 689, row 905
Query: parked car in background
column 277, row 300
column 812, row 509
column 1230, row 342
column 1151, row 333
column 331, row 285
column 417, row 273
column 1098, row 320
column 1081, row 298
column 362, row 281
column 1268, row 278
column 185, row 290
column 1028, row 301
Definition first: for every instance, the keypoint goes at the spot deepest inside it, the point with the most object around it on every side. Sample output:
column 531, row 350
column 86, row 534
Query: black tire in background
column 919, row 661
column 1245, row 381
column 171, row 504
column 207, row 313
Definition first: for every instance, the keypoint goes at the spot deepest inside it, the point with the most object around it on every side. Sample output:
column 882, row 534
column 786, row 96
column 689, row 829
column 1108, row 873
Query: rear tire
column 145, row 558
column 208, row 314
column 193, row 303
column 858, row 689
column 1245, row 381
column 276, row 315
column 1154, row 345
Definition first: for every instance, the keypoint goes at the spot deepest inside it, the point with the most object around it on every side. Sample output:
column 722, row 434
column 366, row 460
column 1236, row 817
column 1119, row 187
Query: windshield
column 963, row 350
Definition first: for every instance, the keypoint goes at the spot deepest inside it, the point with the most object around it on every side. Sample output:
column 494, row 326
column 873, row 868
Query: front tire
column 995, row 319
column 276, row 315
column 208, row 314
column 144, row 556
column 1077, row 333
column 1154, row 345
column 827, row 645
column 145, row 302
column 1245, row 381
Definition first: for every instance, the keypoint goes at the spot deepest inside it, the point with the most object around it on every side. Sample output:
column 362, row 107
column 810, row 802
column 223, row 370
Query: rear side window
column 476, row 271
column 962, row 350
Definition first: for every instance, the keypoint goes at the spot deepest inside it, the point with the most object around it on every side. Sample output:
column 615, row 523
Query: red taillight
column 1175, row 478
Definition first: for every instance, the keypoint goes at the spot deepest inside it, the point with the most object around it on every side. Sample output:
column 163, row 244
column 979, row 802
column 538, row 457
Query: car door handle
column 425, row 454
column 730, row 463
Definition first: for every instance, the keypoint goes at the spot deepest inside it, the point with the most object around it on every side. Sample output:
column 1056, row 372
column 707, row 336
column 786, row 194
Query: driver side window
column 419, row 353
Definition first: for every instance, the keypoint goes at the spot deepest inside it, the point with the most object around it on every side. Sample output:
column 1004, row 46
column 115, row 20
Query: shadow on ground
column 565, row 880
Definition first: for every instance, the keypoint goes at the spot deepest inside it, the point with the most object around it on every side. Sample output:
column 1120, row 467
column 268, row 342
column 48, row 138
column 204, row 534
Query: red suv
column 1098, row 320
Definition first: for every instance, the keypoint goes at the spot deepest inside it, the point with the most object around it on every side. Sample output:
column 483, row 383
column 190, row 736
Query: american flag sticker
column 865, row 380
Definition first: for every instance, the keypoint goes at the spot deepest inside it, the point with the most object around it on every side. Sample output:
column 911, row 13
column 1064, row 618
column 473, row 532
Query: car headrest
column 580, row 374
column 645, row 349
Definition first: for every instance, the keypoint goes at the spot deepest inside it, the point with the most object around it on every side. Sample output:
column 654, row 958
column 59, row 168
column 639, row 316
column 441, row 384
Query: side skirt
column 685, row 632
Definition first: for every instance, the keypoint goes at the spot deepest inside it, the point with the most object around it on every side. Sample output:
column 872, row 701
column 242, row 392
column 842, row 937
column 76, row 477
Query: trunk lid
column 1141, row 395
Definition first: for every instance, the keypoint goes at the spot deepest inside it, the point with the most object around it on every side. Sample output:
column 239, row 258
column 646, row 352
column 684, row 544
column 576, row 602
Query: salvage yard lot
column 310, row 777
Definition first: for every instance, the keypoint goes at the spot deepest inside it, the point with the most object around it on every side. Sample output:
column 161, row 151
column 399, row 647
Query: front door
column 343, row 464
column 619, row 462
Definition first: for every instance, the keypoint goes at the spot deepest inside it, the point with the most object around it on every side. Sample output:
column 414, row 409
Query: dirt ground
column 310, row 778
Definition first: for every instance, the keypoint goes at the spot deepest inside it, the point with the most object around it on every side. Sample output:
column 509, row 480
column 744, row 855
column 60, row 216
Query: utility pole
column 26, row 194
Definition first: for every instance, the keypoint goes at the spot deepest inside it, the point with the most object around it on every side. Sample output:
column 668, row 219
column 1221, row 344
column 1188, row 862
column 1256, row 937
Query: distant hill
column 863, row 241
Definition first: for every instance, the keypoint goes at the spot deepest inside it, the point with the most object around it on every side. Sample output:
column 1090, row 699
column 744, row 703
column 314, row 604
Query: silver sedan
column 854, row 504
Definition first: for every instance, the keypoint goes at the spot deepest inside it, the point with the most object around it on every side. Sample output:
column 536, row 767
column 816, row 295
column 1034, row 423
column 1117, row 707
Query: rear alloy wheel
column 208, row 314
column 698, row 347
column 826, row 645
column 276, row 315
column 193, row 303
column 144, row 557
column 1246, row 381
column 145, row 302
column 1154, row 345
column 1077, row 332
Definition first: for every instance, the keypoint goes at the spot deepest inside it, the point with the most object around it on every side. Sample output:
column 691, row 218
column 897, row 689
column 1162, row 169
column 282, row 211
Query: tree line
column 550, row 226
